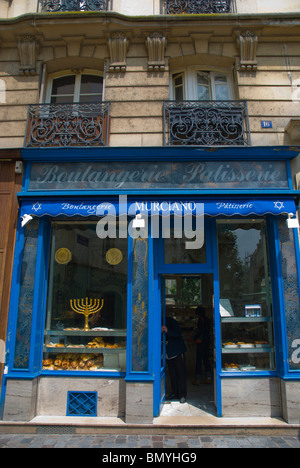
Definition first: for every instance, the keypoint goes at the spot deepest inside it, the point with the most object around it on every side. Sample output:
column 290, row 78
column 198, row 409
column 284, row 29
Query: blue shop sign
column 99, row 207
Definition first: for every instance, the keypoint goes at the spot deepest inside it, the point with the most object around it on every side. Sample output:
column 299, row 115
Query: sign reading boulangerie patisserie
column 158, row 175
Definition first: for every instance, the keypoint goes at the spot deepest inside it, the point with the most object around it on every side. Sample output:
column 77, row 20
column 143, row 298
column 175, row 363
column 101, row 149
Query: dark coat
column 175, row 343
column 202, row 332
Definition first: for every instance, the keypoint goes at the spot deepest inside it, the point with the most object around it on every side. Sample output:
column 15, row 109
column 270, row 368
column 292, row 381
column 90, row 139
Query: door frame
column 160, row 270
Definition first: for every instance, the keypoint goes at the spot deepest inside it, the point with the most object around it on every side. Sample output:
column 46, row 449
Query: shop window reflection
column 177, row 253
column 245, row 296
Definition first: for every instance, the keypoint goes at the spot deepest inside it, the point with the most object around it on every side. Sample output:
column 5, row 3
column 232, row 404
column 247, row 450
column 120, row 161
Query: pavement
column 170, row 443
column 180, row 428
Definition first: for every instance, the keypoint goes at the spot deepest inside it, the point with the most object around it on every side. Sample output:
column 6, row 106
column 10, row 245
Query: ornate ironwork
column 173, row 7
column 206, row 123
column 73, row 5
column 67, row 124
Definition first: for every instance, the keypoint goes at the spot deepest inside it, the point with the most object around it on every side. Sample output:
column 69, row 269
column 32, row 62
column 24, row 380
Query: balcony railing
column 175, row 7
column 206, row 123
column 61, row 125
column 72, row 5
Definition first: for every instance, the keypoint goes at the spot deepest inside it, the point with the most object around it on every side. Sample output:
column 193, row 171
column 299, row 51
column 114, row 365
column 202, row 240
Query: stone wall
column 265, row 71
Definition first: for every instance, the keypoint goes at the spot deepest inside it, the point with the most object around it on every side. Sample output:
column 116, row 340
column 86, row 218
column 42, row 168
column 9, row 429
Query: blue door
column 187, row 279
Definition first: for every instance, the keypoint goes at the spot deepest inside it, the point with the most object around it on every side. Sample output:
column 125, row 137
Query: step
column 166, row 426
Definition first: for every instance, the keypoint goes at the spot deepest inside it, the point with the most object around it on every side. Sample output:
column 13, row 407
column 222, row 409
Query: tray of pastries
column 230, row 345
column 74, row 362
column 231, row 366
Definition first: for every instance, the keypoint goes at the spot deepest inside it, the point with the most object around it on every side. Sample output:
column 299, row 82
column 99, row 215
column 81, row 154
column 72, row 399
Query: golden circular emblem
column 114, row 256
column 63, row 256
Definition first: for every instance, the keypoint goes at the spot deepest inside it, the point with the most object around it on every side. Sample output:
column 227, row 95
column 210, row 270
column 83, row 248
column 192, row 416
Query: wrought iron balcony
column 61, row 125
column 175, row 7
column 72, row 5
column 206, row 123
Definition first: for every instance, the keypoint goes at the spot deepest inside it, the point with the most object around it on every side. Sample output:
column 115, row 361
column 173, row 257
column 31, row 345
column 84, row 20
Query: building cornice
column 273, row 19
column 272, row 26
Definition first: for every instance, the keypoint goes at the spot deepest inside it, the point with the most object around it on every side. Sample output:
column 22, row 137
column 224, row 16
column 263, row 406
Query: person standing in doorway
column 175, row 350
column 201, row 337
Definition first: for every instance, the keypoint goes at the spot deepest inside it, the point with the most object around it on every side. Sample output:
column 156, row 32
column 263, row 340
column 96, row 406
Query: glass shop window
column 177, row 253
column 245, row 296
column 76, row 88
column 85, row 328
column 180, row 249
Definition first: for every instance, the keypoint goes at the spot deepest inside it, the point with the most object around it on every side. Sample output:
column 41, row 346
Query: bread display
column 70, row 361
column 74, row 349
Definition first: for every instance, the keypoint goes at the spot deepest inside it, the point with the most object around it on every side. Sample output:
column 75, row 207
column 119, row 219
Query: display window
column 85, row 327
column 246, row 311
column 176, row 252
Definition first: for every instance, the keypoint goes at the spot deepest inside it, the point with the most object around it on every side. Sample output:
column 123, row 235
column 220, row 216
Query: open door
column 181, row 296
column 160, row 354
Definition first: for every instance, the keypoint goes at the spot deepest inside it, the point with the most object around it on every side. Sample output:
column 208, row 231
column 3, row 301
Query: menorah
column 87, row 308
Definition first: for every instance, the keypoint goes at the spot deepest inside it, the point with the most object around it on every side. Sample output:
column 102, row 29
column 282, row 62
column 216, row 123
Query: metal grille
column 173, row 7
column 72, row 5
column 67, row 125
column 55, row 429
column 82, row 404
column 206, row 123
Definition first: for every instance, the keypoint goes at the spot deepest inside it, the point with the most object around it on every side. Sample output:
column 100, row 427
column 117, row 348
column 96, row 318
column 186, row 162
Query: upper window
column 72, row 112
column 201, row 85
column 76, row 88
column 203, row 110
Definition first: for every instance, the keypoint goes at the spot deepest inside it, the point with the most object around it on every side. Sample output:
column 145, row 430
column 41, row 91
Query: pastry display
column 70, row 361
column 261, row 344
column 244, row 344
column 98, row 342
column 80, row 350
column 231, row 366
column 241, row 367
column 47, row 362
column 55, row 345
column 247, row 341
column 248, row 355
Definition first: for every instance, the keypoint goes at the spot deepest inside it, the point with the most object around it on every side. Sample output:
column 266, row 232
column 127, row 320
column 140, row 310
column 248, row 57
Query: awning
column 212, row 207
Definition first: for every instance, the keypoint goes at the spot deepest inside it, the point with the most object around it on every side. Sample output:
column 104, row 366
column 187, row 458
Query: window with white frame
column 203, row 110
column 69, row 88
column 201, row 85
column 85, row 115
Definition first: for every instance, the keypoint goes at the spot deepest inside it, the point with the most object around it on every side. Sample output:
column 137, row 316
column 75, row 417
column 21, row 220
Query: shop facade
column 91, row 290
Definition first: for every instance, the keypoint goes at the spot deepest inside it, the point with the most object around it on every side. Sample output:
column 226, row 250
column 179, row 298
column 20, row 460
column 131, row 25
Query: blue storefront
column 90, row 291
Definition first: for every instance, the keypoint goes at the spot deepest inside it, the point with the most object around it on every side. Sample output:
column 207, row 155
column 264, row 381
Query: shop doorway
column 189, row 300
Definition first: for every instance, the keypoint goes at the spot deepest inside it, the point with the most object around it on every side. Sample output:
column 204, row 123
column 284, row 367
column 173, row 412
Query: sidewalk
column 146, row 441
